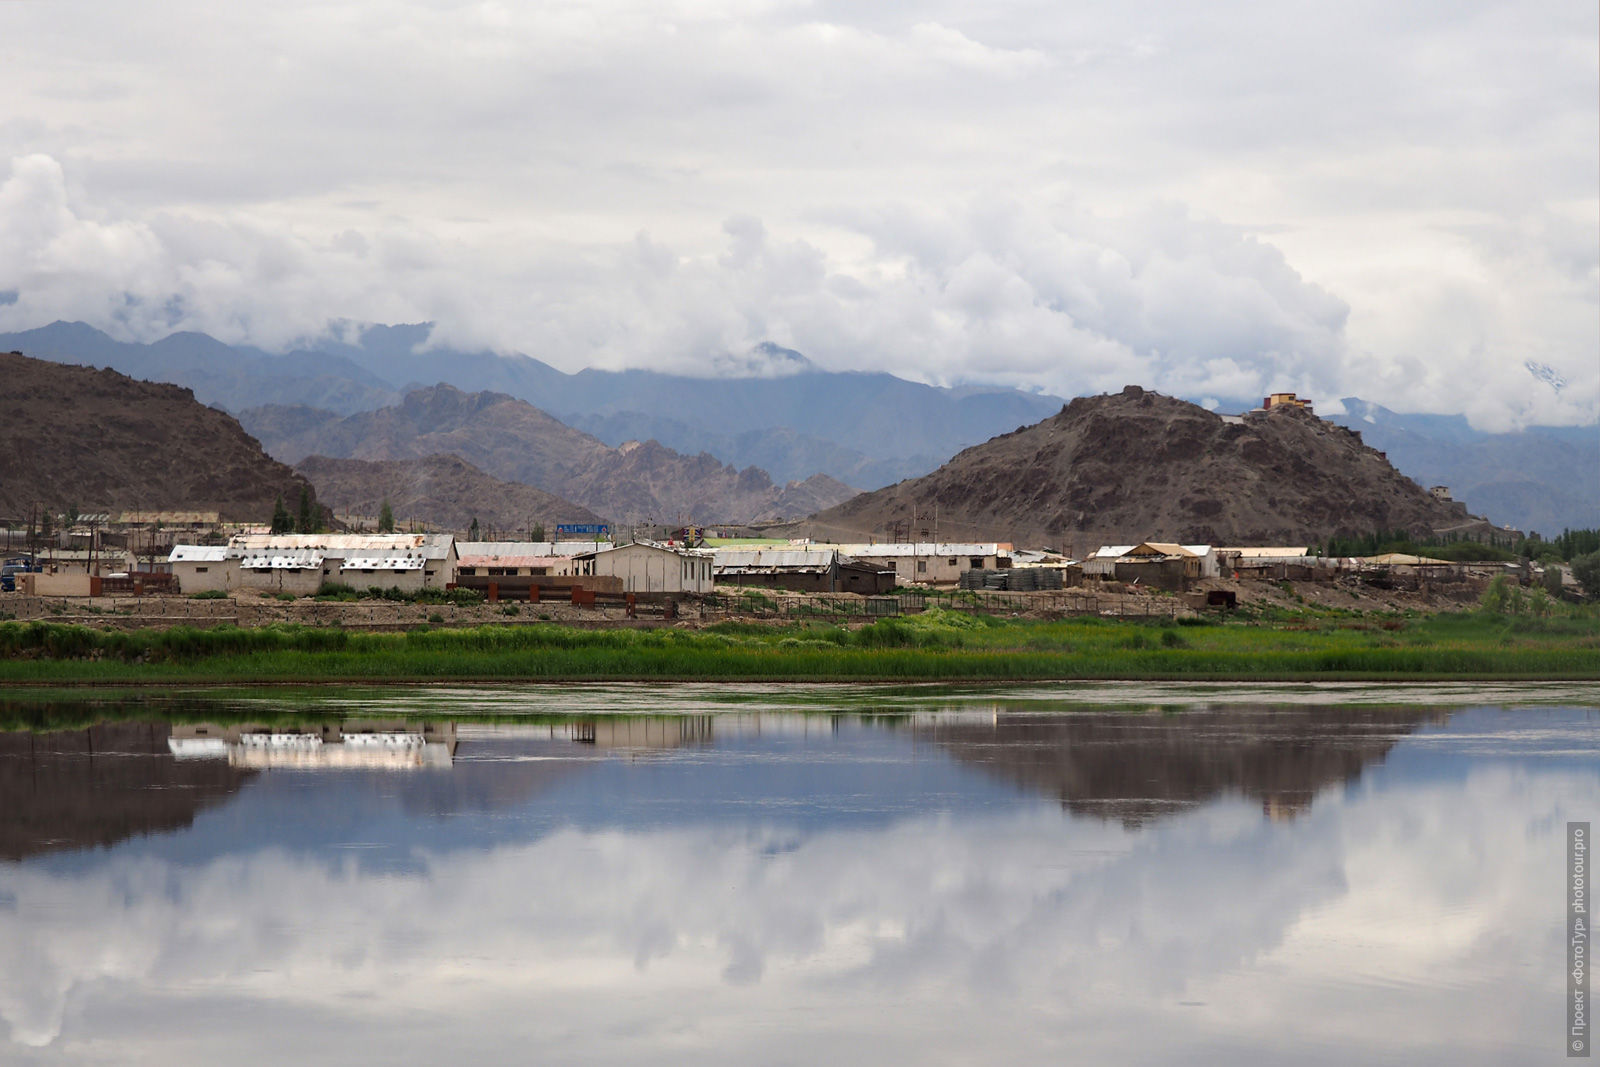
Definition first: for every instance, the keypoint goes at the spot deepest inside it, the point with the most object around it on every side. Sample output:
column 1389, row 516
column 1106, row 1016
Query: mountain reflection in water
column 74, row 789
column 1138, row 767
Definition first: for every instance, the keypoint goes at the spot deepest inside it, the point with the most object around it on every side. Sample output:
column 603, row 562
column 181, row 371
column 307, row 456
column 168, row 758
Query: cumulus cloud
column 1253, row 196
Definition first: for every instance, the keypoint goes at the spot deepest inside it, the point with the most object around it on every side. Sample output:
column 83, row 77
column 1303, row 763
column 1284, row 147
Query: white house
column 203, row 568
column 648, row 567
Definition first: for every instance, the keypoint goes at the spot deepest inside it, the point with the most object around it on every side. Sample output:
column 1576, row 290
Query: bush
column 436, row 618
column 286, row 596
column 1587, row 570
column 1496, row 599
column 209, row 594
column 511, row 609
column 461, row 598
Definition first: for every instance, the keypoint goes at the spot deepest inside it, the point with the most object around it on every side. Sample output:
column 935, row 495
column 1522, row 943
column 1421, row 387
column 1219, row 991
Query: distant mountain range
column 862, row 429
column 859, row 429
column 510, row 439
column 1543, row 479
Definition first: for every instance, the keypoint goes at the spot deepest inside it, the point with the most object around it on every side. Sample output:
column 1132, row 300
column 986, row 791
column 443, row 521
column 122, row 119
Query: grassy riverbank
column 935, row 646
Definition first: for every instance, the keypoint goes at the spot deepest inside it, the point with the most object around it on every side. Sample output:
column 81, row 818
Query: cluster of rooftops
column 434, row 559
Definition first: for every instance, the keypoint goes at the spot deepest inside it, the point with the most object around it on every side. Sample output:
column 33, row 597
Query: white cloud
column 1351, row 200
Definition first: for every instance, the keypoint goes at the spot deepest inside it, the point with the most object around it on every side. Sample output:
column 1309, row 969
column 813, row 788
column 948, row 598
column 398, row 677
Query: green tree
column 1497, row 597
column 472, row 531
column 282, row 522
column 386, row 517
column 537, row 532
column 307, row 521
column 1552, row 578
column 1586, row 569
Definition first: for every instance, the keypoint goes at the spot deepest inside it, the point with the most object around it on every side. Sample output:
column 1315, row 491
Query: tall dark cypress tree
column 308, row 521
column 282, row 522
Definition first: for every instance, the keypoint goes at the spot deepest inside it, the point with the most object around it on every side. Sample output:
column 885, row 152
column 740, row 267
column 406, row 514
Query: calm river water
column 791, row 875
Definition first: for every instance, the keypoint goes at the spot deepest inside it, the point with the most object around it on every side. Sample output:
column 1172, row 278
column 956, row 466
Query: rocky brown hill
column 442, row 491
column 513, row 440
column 1139, row 466
column 96, row 440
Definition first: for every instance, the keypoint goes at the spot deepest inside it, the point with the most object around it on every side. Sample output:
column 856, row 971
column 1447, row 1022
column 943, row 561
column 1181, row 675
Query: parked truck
column 13, row 567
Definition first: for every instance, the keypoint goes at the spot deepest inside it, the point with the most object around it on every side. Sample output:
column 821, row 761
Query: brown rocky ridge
column 1137, row 466
column 97, row 440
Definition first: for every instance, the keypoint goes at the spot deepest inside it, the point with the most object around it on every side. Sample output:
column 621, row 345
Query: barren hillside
column 97, row 440
column 1140, row 466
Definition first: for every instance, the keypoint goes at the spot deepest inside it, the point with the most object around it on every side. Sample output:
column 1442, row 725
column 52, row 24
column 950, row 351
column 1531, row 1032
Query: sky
column 1398, row 202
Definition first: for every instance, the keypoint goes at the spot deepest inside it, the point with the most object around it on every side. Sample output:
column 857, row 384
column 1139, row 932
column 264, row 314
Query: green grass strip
column 940, row 645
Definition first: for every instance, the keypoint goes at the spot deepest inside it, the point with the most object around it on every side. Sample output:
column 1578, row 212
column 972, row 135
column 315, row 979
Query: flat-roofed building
column 203, row 568
column 648, row 567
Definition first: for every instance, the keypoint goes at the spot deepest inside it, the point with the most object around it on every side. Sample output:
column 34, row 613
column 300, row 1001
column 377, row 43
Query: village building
column 511, row 559
column 940, row 563
column 301, row 564
column 1161, row 564
column 648, row 567
column 814, row 569
column 203, row 568
column 1285, row 400
column 1102, row 562
column 1281, row 562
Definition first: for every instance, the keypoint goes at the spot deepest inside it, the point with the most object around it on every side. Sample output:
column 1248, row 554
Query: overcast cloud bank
column 1394, row 204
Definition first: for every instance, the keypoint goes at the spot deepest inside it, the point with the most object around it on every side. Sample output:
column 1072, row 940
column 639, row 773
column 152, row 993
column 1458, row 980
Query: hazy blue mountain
column 225, row 376
column 864, row 429
column 1543, row 479
column 782, row 452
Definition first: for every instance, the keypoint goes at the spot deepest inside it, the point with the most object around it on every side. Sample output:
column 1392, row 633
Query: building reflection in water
column 396, row 745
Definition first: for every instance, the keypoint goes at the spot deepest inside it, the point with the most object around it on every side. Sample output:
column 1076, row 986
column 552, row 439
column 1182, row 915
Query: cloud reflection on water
column 1403, row 915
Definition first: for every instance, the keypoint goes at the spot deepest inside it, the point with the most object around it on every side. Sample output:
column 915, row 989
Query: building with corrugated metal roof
column 302, row 563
